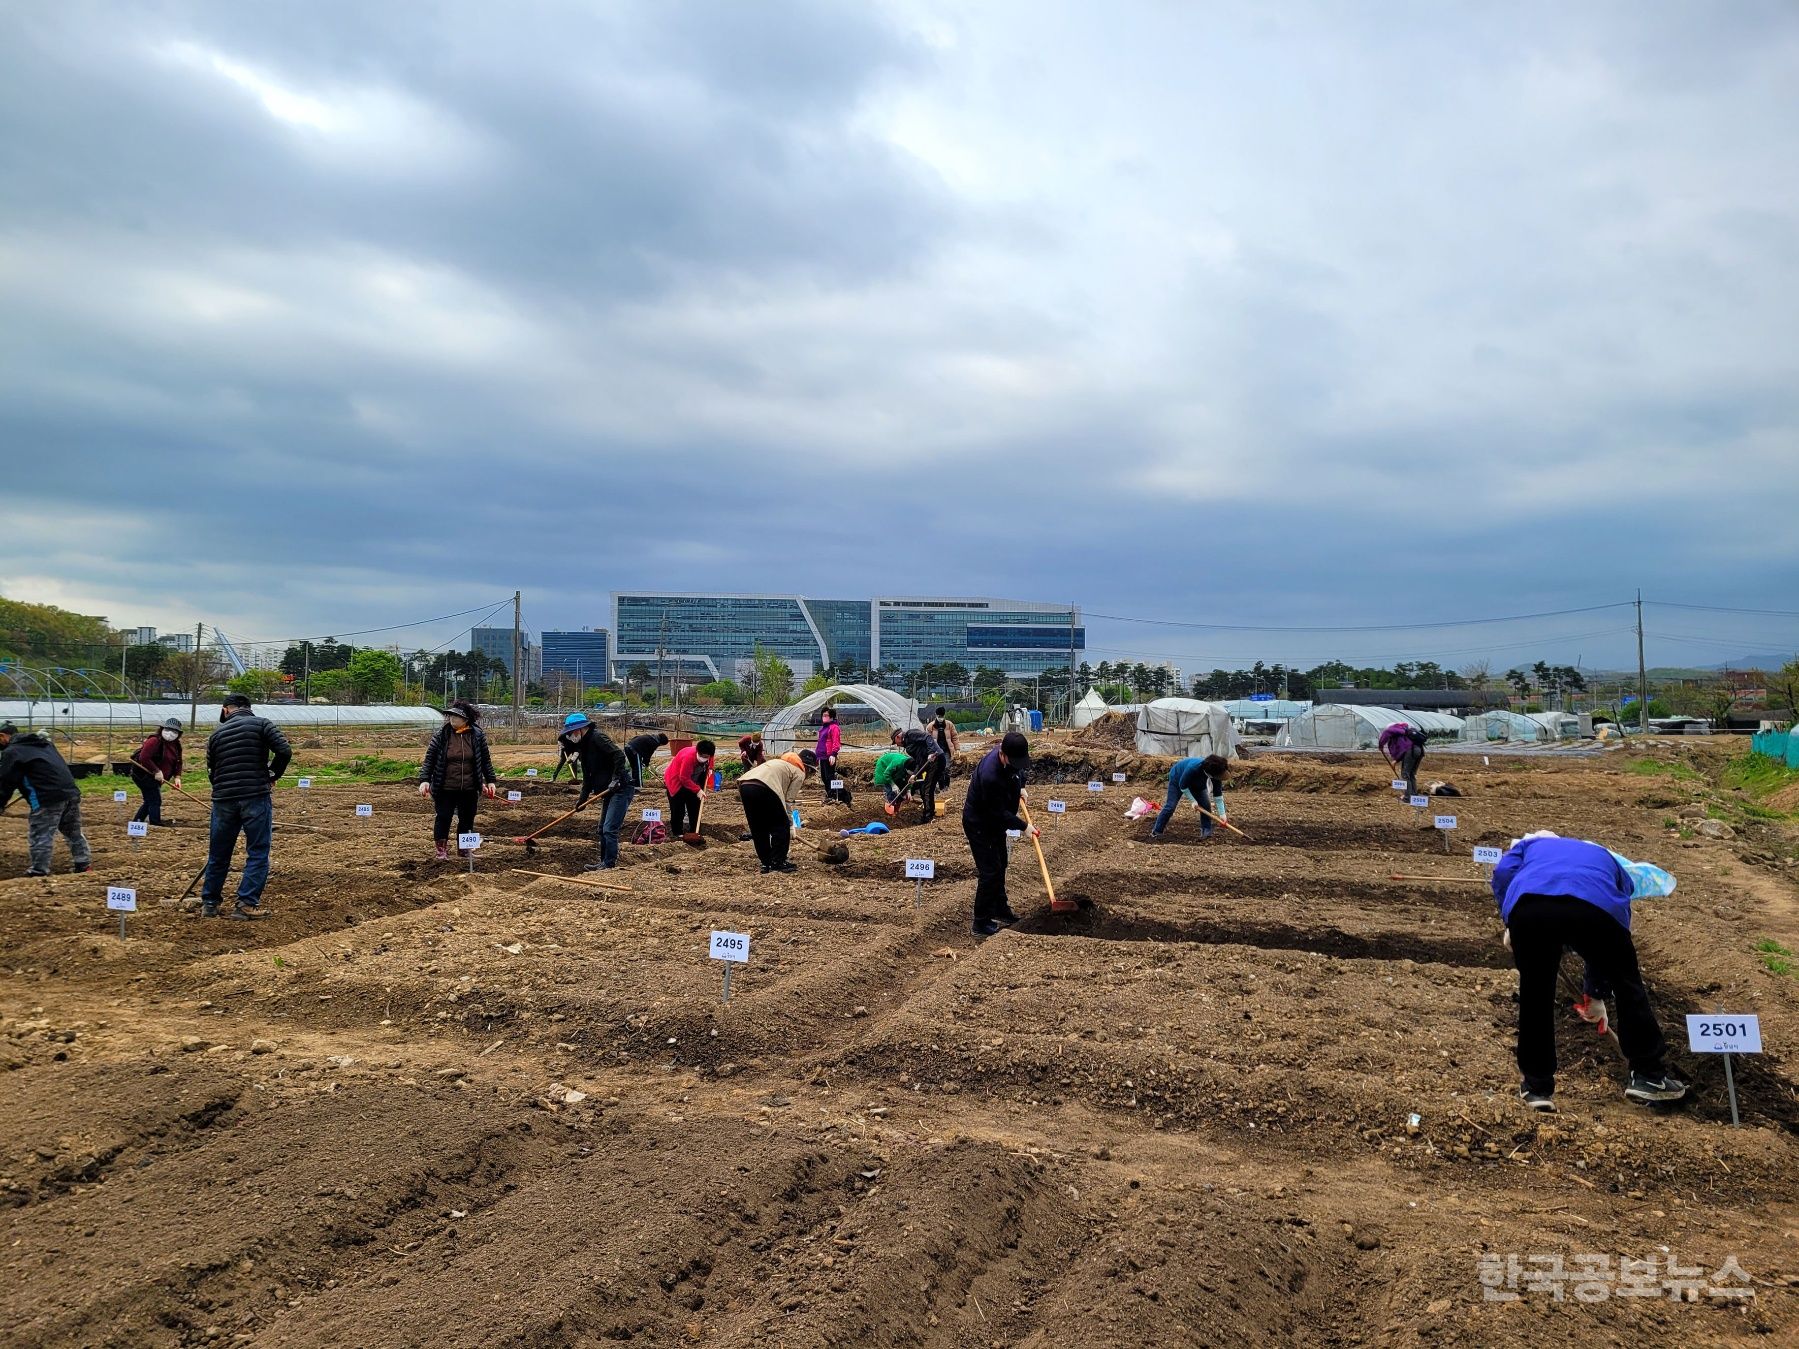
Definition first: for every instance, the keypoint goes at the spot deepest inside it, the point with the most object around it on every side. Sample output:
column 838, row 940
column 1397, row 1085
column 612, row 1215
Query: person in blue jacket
column 1205, row 779
column 1564, row 892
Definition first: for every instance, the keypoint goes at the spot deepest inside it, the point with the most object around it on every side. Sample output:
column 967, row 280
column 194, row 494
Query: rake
column 530, row 840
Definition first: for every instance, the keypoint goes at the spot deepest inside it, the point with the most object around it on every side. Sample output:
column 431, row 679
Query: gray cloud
column 326, row 315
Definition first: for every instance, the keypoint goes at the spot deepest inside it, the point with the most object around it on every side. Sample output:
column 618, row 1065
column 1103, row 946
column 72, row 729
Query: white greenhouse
column 1185, row 728
column 1341, row 726
column 1500, row 726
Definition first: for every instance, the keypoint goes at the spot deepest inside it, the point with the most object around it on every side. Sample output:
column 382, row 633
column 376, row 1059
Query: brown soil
column 1113, row 730
column 418, row 1106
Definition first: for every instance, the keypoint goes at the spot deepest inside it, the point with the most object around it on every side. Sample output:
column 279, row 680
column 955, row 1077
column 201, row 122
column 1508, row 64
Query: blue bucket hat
column 574, row 719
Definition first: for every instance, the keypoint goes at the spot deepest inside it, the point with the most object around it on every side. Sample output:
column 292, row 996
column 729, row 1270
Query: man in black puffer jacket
column 244, row 758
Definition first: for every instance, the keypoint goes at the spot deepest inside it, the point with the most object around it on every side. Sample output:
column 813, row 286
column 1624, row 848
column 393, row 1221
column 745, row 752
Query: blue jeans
column 254, row 817
column 1172, row 798
column 612, row 820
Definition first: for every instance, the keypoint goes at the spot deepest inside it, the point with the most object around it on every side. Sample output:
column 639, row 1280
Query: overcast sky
column 329, row 315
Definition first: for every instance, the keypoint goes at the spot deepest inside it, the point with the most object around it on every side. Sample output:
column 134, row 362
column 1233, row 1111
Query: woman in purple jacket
column 830, row 743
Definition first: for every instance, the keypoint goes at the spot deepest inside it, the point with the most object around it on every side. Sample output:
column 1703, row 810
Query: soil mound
column 1115, row 730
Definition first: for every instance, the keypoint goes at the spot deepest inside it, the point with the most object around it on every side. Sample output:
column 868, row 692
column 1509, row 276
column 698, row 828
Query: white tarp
column 61, row 714
column 1557, row 725
column 1018, row 718
column 895, row 709
column 1493, row 727
column 1185, row 728
column 1346, row 726
column 1089, row 710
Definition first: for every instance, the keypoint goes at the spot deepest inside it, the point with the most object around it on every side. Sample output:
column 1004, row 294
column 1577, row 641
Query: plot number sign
column 304, row 784
column 920, row 868
column 1721, row 1033
column 1096, row 786
column 1419, row 801
column 119, row 798
column 121, row 898
column 731, row 946
column 734, row 949
column 1399, row 784
column 1118, row 777
column 469, row 841
column 1058, row 807
column 1487, row 856
column 836, row 784
column 653, row 815
column 1726, row 1033
column 530, row 772
column 515, row 796
column 137, row 829
column 364, row 811
column 1445, row 822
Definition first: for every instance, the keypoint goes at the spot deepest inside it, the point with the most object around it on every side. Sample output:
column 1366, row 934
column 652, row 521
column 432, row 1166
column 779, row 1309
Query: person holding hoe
column 1403, row 745
column 457, row 772
column 30, row 766
column 995, row 789
column 947, row 744
column 1564, row 892
column 605, row 772
column 245, row 757
column 686, row 777
column 1204, row 778
column 770, row 793
column 156, row 761
column 750, row 752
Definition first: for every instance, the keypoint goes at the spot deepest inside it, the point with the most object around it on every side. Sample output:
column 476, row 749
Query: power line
column 1372, row 627
column 1724, row 609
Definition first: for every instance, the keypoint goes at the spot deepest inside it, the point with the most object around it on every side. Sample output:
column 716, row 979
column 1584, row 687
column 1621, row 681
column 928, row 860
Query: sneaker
column 1158, row 838
column 1593, row 1012
column 81, row 867
column 209, row 908
column 766, row 868
column 443, row 852
column 1537, row 1100
column 247, row 913
column 1654, row 1090
column 37, row 873
column 983, row 927
column 1006, row 916
column 784, row 866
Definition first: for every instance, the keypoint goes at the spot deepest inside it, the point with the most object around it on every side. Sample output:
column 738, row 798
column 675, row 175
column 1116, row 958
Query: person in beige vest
column 770, row 792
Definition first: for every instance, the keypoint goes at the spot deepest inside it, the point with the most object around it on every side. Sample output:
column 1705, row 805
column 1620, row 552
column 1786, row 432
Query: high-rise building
column 142, row 636
column 583, row 654
column 1021, row 637
column 177, row 641
column 701, row 636
column 496, row 644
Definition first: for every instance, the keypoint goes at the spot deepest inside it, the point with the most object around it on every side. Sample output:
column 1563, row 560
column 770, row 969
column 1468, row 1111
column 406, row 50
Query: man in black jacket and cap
column 991, row 808
column 244, row 758
column 30, row 766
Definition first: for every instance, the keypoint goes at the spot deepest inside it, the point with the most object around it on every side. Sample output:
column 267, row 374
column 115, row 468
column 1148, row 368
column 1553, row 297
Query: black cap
column 661, row 737
column 1014, row 746
column 235, row 700
column 809, row 758
column 9, row 729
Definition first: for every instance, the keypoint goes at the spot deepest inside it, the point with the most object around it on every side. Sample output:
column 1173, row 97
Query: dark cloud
column 326, row 314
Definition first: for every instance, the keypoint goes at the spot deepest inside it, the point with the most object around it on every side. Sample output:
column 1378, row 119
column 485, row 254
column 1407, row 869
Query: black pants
column 1541, row 925
column 924, row 782
column 151, row 810
column 989, row 852
column 683, row 811
column 461, row 803
column 770, row 827
column 1408, row 769
column 827, row 770
column 943, row 769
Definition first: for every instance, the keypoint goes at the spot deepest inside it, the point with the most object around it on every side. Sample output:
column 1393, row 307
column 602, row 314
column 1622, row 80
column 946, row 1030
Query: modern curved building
column 711, row 636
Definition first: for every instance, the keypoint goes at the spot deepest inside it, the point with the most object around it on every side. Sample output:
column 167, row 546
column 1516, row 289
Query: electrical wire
column 1374, row 627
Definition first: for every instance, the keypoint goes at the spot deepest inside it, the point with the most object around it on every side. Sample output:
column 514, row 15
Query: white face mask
column 171, row 735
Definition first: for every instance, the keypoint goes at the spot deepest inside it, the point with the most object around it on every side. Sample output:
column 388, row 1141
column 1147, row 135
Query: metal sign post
column 918, row 871
column 1726, row 1033
column 733, row 948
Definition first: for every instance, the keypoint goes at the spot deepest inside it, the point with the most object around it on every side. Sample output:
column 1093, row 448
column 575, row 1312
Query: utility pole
column 193, row 703
column 518, row 666
column 661, row 659
column 1642, row 674
column 1070, row 717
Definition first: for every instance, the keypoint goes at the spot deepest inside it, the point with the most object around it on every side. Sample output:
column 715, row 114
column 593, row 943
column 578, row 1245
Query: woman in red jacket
column 156, row 761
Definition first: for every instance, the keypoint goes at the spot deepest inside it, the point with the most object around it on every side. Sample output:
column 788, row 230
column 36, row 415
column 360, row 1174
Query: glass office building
column 1021, row 637
column 496, row 644
column 712, row 636
column 582, row 655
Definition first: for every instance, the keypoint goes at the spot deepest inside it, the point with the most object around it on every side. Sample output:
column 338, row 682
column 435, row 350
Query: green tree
column 333, row 686
column 146, row 662
column 374, row 675
column 1783, row 690
column 258, row 685
column 772, row 677
column 726, row 691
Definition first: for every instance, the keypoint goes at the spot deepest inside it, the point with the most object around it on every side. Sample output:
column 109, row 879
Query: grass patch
column 1776, row 957
column 1660, row 768
column 1759, row 812
column 1758, row 775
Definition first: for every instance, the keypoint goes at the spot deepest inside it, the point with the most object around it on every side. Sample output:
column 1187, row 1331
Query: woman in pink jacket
column 830, row 744
column 686, row 777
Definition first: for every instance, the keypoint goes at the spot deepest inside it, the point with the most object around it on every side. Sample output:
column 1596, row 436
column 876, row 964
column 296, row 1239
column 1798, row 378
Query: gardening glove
column 424, row 789
column 175, row 783
column 1036, row 832
column 491, row 790
column 159, row 776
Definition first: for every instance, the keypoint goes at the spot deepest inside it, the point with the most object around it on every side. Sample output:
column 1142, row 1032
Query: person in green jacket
column 893, row 774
